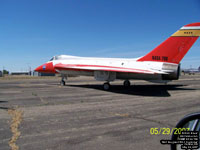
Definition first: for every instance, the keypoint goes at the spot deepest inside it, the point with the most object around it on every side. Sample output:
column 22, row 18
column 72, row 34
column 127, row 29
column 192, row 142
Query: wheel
column 62, row 83
column 106, row 86
column 127, row 83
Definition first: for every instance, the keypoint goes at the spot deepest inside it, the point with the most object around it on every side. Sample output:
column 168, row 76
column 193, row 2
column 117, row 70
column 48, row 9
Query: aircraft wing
column 83, row 67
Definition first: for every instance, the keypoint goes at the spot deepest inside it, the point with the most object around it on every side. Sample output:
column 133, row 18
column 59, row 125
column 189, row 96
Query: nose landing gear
column 62, row 82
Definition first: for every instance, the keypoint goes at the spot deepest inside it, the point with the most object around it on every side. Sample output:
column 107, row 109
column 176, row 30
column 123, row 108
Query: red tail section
column 175, row 47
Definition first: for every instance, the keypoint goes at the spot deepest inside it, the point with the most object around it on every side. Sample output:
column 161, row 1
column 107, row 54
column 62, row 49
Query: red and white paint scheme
column 162, row 64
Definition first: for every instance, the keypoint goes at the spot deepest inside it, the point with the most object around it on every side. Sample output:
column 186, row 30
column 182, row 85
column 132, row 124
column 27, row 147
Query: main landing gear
column 127, row 83
column 106, row 86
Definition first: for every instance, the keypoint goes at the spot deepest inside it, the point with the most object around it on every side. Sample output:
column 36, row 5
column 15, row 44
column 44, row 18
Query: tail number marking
column 163, row 58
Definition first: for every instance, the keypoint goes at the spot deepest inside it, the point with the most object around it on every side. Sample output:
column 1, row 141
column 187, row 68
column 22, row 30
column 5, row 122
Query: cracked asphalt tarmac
column 81, row 115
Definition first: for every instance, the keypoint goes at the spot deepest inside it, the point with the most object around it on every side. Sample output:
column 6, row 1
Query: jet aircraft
column 191, row 71
column 162, row 64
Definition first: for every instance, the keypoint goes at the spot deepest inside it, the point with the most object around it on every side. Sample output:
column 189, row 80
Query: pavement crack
column 16, row 116
column 155, row 121
column 41, row 99
column 142, row 118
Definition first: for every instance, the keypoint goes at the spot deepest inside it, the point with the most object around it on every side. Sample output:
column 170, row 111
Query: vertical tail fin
column 175, row 47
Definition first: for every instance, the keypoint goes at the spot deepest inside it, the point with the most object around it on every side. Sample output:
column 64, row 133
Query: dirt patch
column 16, row 120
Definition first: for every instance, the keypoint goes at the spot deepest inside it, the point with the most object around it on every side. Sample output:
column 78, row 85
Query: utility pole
column 29, row 68
column 3, row 71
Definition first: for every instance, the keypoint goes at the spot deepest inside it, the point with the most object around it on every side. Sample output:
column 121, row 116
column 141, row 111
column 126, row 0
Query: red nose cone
column 47, row 67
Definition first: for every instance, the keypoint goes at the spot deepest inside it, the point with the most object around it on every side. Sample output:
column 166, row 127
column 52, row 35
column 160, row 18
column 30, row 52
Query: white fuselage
column 119, row 68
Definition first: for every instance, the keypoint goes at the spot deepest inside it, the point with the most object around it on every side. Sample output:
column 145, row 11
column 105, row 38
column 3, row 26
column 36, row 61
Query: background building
column 35, row 73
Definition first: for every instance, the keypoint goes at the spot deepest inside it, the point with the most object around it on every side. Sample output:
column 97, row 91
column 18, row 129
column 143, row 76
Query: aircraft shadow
column 140, row 90
column 4, row 108
column 3, row 101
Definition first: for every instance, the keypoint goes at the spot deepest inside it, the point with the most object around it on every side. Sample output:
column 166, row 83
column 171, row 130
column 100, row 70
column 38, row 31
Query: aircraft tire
column 106, row 86
column 127, row 83
column 62, row 83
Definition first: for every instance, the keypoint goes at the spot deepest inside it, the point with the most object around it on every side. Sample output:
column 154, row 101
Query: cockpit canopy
column 51, row 59
column 56, row 58
column 59, row 57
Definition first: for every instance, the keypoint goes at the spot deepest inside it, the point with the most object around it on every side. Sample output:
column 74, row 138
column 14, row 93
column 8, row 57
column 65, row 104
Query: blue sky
column 32, row 31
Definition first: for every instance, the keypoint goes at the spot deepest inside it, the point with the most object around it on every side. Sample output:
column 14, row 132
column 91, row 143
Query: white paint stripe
column 104, row 68
column 116, row 69
column 191, row 27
